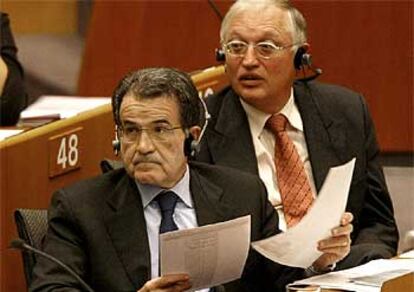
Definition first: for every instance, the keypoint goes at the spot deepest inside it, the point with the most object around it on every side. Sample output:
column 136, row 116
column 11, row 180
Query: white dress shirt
column 264, row 145
column 184, row 215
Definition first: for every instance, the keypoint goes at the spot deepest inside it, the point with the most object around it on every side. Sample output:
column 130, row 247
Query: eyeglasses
column 264, row 50
column 157, row 133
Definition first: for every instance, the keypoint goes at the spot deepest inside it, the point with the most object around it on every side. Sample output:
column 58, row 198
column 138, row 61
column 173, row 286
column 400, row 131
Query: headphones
column 116, row 143
column 301, row 61
column 191, row 146
column 220, row 55
column 120, row 91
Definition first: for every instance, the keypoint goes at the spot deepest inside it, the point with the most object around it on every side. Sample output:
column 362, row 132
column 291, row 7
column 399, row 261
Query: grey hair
column 298, row 22
column 156, row 82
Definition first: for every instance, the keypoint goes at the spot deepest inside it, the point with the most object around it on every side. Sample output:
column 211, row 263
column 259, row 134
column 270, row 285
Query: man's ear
column 306, row 46
column 195, row 132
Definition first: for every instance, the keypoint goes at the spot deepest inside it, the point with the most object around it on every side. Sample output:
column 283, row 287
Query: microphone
column 306, row 60
column 22, row 245
column 316, row 73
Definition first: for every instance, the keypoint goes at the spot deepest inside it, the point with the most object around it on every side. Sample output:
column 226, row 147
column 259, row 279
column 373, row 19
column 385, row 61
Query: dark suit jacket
column 97, row 227
column 337, row 127
column 13, row 99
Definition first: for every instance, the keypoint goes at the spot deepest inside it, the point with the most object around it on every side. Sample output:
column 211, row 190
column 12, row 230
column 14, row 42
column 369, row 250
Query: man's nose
column 144, row 143
column 250, row 57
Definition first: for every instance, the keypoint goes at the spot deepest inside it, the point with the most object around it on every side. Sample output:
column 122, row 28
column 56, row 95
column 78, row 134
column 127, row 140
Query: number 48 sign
column 64, row 151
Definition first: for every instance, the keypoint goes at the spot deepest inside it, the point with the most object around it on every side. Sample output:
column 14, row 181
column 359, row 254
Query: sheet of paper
column 5, row 133
column 297, row 246
column 407, row 255
column 62, row 106
column 351, row 279
column 211, row 254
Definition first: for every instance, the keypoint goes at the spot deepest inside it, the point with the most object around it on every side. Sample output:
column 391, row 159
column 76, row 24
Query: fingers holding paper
column 167, row 283
column 336, row 247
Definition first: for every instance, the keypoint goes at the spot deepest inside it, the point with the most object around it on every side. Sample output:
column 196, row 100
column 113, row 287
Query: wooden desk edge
column 48, row 128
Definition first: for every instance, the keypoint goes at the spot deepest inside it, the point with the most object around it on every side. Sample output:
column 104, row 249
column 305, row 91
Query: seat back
column 109, row 164
column 31, row 226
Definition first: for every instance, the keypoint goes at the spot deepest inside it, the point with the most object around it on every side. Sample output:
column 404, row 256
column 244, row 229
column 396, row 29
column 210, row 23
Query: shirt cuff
column 311, row 271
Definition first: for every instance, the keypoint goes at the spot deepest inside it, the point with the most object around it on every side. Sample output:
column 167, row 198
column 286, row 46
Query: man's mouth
column 144, row 161
column 250, row 79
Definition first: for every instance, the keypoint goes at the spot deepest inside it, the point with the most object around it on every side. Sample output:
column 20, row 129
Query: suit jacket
column 337, row 127
column 97, row 227
column 13, row 99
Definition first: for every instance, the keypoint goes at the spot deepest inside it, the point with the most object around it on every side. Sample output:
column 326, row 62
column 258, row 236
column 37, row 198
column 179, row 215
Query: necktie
column 167, row 201
column 292, row 180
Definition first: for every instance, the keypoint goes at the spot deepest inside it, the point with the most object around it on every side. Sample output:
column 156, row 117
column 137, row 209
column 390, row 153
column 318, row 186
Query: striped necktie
column 292, row 180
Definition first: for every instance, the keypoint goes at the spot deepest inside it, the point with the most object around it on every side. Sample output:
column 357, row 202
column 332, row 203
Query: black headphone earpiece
column 303, row 59
column 191, row 146
column 220, row 55
column 116, row 143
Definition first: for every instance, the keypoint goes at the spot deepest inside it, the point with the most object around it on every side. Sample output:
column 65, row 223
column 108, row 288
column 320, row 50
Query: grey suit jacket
column 337, row 127
column 97, row 227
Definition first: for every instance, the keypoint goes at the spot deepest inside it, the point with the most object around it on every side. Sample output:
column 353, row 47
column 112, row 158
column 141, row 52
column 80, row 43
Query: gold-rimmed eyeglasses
column 265, row 50
column 157, row 133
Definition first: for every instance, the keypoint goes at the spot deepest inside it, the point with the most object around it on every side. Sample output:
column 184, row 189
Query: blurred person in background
column 13, row 98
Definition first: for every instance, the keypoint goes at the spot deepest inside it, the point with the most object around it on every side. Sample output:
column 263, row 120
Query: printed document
column 211, row 255
column 297, row 246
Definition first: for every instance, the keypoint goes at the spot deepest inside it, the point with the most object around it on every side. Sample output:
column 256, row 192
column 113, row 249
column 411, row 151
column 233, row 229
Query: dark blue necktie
column 167, row 201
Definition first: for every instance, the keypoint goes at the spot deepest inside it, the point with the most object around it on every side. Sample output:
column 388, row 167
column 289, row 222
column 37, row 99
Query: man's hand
column 167, row 283
column 336, row 247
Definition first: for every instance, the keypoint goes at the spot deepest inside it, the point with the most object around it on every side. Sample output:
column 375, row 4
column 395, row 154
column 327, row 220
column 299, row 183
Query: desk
column 31, row 166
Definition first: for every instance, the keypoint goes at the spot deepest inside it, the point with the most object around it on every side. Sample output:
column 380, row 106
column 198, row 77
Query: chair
column 31, row 226
column 400, row 181
column 108, row 165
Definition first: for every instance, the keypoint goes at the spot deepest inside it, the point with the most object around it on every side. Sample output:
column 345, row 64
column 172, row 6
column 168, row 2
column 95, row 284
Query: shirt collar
column 182, row 189
column 257, row 119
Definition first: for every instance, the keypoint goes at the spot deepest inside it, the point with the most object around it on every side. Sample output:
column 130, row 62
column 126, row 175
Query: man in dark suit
column 106, row 228
column 329, row 125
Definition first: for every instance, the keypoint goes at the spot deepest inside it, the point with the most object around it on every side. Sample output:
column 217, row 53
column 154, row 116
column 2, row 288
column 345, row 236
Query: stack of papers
column 365, row 278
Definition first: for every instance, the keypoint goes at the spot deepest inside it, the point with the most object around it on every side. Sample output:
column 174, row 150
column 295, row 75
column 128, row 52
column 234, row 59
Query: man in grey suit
column 329, row 125
column 107, row 228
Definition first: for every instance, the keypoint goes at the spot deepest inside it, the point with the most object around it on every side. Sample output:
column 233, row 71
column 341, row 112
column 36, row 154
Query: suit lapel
column 208, row 200
column 231, row 139
column 324, row 135
column 124, row 209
